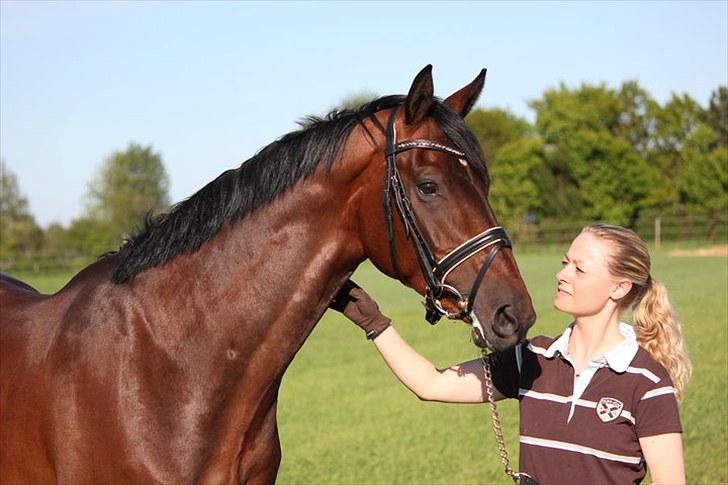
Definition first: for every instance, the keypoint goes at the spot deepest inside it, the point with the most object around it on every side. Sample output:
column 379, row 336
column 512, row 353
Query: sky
column 209, row 84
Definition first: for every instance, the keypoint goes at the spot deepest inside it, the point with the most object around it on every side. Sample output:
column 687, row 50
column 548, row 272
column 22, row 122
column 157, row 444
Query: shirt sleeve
column 657, row 412
column 505, row 371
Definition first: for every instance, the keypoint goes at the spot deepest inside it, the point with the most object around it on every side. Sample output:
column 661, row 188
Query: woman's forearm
column 460, row 383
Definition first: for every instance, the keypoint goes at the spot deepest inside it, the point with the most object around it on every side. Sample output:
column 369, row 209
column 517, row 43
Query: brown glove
column 358, row 306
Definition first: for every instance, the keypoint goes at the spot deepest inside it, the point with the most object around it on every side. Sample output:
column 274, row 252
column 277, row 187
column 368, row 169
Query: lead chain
column 496, row 421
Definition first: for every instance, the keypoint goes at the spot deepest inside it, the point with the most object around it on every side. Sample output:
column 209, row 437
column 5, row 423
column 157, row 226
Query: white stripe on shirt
column 644, row 372
column 537, row 350
column 660, row 391
column 561, row 445
column 567, row 399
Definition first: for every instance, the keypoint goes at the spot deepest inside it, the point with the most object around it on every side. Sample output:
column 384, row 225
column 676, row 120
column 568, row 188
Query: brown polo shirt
column 586, row 429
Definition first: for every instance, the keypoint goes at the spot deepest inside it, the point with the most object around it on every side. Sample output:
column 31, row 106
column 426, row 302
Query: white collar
column 618, row 358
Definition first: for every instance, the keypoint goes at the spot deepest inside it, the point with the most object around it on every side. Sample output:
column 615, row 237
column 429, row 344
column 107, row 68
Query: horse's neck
column 259, row 287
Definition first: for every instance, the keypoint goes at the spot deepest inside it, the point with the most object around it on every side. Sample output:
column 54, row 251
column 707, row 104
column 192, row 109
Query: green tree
column 562, row 111
column 716, row 117
column 611, row 178
column 356, row 100
column 515, row 193
column 56, row 244
column 90, row 237
column 13, row 205
column 130, row 184
column 20, row 236
column 494, row 128
column 674, row 123
column 595, row 171
column 635, row 122
column 703, row 182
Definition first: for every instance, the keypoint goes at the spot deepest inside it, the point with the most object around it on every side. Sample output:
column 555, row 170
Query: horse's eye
column 428, row 188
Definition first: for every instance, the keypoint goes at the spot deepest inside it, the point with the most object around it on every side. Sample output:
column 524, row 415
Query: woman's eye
column 428, row 188
column 579, row 270
column 564, row 263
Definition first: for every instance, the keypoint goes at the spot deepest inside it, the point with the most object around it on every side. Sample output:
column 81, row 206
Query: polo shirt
column 586, row 429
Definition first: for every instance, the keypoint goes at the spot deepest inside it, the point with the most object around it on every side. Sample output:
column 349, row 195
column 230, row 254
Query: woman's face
column 584, row 284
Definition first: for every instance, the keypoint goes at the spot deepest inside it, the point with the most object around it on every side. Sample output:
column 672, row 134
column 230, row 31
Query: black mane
column 238, row 192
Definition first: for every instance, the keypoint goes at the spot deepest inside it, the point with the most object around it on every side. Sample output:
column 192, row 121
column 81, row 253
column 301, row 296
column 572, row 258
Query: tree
column 130, row 185
column 56, row 245
column 611, row 178
column 589, row 133
column 494, row 128
column 90, row 237
column 636, row 120
column 12, row 203
column 356, row 100
column 562, row 111
column 703, row 182
column 716, row 117
column 19, row 233
column 515, row 192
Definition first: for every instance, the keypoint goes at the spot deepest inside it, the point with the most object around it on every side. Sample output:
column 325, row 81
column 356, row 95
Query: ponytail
column 659, row 332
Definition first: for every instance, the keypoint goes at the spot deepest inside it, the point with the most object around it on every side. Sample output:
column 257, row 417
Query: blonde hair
column 656, row 325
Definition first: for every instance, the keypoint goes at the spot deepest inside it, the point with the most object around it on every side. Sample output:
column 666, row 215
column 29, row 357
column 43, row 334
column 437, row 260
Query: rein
column 434, row 271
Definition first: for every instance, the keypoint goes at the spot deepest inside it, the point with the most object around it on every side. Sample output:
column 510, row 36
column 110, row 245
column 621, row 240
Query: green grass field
column 345, row 419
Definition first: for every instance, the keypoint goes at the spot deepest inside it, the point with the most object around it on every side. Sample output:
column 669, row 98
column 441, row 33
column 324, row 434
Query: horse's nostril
column 505, row 323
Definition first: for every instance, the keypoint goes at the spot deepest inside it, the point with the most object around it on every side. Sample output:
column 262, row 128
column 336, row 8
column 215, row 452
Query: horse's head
column 436, row 231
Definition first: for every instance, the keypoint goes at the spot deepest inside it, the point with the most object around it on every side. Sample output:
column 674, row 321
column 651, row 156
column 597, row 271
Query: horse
column 162, row 362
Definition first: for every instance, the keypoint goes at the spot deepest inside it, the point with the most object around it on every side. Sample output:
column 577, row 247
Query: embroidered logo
column 608, row 409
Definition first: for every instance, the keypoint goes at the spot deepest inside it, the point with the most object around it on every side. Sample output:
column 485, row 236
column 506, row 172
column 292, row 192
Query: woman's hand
column 358, row 306
column 460, row 383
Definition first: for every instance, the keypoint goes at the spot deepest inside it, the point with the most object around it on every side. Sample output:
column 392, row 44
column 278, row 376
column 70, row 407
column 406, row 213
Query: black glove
column 358, row 306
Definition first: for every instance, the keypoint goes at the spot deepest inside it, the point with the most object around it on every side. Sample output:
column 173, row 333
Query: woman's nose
column 561, row 275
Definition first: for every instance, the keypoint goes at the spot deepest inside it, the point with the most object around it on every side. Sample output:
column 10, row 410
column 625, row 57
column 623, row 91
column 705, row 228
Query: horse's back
column 18, row 383
column 18, row 301
column 10, row 284
column 58, row 371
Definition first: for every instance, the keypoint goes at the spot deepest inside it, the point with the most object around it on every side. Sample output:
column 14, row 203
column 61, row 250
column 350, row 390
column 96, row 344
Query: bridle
column 435, row 272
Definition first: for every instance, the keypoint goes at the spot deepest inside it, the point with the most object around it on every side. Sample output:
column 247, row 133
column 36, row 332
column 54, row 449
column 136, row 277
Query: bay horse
column 162, row 362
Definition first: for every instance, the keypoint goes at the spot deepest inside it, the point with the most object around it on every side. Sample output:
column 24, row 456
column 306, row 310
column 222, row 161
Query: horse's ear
column 462, row 101
column 419, row 99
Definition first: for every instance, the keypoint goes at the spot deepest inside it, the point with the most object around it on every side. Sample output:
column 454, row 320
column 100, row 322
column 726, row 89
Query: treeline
column 612, row 155
column 130, row 184
column 593, row 154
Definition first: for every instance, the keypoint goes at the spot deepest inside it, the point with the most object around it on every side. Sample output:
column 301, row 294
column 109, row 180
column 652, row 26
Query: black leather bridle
column 435, row 272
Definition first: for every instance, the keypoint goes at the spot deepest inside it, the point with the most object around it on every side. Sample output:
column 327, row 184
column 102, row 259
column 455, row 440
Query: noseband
column 435, row 272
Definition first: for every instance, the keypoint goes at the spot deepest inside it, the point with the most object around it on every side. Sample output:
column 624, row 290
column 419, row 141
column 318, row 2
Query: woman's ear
column 621, row 289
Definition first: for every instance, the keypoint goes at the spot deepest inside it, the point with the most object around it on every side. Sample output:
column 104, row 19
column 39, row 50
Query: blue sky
column 208, row 84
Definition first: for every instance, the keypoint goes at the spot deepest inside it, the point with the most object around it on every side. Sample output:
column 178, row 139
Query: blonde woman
column 599, row 403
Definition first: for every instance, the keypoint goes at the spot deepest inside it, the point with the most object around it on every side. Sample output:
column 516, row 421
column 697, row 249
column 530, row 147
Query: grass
column 344, row 418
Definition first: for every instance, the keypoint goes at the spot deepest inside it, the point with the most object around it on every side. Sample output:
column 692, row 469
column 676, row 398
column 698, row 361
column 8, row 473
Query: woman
column 596, row 403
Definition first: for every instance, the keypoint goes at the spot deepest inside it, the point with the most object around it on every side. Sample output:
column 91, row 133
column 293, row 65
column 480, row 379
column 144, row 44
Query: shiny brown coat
column 173, row 376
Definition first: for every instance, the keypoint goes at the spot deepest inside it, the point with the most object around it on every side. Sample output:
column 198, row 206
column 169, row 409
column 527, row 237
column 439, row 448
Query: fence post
column 658, row 227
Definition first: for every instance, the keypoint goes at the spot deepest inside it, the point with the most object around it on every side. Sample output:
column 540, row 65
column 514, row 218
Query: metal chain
column 496, row 420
